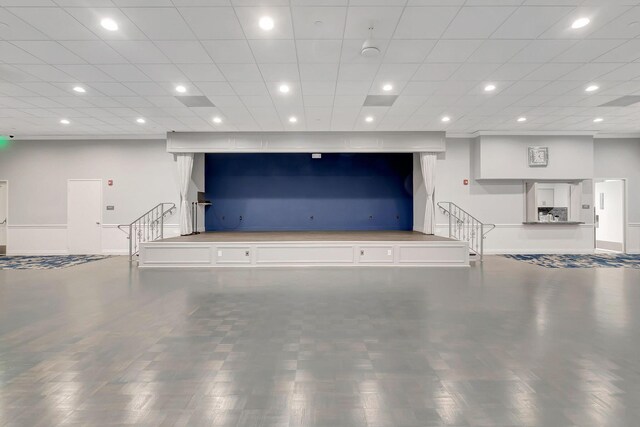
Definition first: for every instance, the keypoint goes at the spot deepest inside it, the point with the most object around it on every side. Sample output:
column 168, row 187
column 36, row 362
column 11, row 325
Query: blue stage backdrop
column 269, row 192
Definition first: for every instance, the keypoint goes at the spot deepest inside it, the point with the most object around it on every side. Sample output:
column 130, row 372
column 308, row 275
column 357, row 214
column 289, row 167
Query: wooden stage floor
column 308, row 236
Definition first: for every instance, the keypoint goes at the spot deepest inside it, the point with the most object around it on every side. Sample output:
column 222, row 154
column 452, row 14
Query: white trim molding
column 305, row 142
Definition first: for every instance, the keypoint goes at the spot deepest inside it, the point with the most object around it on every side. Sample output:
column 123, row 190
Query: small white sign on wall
column 538, row 156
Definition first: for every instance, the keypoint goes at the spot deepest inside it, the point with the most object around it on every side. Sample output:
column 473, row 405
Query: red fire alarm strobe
column 110, row 183
column 465, row 182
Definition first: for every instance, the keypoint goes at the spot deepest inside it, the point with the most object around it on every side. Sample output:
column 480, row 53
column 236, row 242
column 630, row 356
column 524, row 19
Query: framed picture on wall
column 538, row 156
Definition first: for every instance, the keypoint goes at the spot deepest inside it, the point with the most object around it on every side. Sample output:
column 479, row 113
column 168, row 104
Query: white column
column 185, row 167
column 428, row 167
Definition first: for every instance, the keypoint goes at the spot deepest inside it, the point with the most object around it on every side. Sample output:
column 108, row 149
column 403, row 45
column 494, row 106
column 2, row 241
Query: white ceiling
column 438, row 54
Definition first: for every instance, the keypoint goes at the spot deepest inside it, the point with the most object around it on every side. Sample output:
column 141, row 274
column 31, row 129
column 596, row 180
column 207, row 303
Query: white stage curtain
column 428, row 166
column 185, row 166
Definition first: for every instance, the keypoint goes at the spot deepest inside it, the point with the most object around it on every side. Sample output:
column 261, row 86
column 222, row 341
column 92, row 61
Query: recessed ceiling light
column 579, row 23
column 489, row 88
column 368, row 119
column 598, row 120
column 592, row 88
column 65, row 122
column 266, row 23
column 522, row 119
column 79, row 89
column 446, row 119
column 109, row 24
column 181, row 89
column 387, row 87
column 284, row 88
column 293, row 119
column 217, row 120
column 141, row 120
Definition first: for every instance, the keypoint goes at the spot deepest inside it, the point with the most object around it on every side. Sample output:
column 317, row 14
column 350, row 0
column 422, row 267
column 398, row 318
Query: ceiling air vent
column 195, row 101
column 623, row 101
column 380, row 100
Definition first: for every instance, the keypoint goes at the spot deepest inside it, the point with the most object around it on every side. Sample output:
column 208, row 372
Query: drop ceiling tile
column 18, row 29
column 13, row 54
column 318, row 72
column 453, row 50
column 355, row 72
column 49, row 52
column 184, row 51
column 474, row 72
column 477, row 22
column 529, row 22
column 160, row 23
column 215, row 88
column 280, row 72
column 420, row 88
column 139, row 51
column 85, row 73
column 600, row 15
column 163, row 73
column 213, row 23
column 498, row 51
column 240, row 72
column 408, row 51
column 94, row 51
column 318, row 88
column 229, row 51
column 91, row 17
column 201, row 72
column 146, row 89
column 53, row 22
column 273, row 51
column 250, row 88
column 541, row 51
column 250, row 16
column 587, row 72
column 626, row 52
column 312, row 23
column 50, row 73
column 124, row 72
column 383, row 20
column 353, row 88
column 424, row 22
column 435, row 72
column 624, row 72
column 323, row 51
column 400, row 72
column 587, row 50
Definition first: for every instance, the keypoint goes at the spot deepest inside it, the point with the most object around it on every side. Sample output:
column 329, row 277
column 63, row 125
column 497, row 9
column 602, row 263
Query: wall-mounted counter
column 553, row 223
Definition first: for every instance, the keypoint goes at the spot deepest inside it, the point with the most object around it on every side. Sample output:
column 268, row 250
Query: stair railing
column 464, row 226
column 148, row 227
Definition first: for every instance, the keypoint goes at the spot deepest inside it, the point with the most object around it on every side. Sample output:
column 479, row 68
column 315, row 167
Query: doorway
column 84, row 216
column 4, row 215
column 610, row 211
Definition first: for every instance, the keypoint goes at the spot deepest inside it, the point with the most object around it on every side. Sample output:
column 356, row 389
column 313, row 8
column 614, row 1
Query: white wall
column 506, row 157
column 142, row 171
column 620, row 158
column 501, row 202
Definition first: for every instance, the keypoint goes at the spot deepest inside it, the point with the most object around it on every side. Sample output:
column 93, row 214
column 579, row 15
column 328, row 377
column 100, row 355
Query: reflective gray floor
column 509, row 344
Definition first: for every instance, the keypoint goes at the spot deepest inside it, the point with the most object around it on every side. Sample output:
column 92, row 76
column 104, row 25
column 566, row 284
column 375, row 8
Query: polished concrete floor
column 505, row 344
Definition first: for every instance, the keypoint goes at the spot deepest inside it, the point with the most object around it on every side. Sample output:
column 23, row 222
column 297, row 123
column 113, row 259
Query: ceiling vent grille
column 380, row 100
column 623, row 101
column 195, row 101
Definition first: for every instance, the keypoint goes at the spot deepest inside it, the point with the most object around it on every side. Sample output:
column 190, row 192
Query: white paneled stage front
column 305, row 248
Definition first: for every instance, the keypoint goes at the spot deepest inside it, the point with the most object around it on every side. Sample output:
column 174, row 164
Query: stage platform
column 305, row 248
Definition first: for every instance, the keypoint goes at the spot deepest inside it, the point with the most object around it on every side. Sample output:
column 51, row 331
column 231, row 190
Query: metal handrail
column 466, row 227
column 147, row 227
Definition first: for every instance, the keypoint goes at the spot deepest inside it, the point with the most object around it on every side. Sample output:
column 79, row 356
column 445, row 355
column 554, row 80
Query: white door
column 84, row 216
column 4, row 213
column 610, row 215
